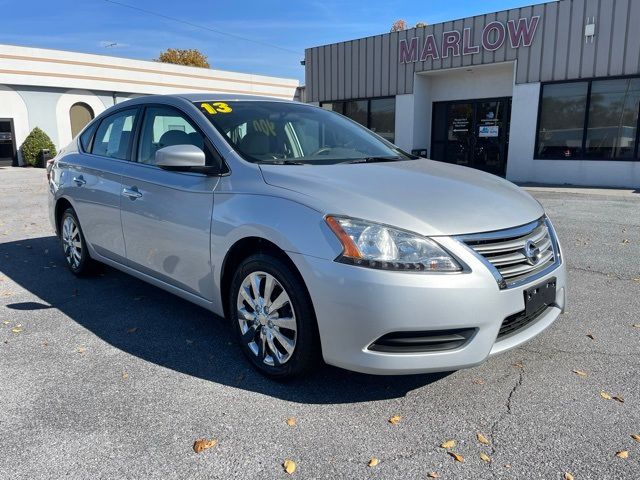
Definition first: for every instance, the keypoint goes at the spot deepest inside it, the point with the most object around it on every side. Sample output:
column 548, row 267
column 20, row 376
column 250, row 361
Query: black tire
column 306, row 352
column 85, row 264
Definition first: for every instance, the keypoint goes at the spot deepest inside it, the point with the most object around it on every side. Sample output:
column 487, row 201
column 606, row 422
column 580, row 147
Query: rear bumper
column 355, row 306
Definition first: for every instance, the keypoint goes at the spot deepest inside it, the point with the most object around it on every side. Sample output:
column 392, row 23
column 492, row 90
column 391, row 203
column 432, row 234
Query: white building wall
column 404, row 122
column 522, row 136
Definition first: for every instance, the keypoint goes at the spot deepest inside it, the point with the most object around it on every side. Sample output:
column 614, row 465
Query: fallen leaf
column 507, row 465
column 6, row 322
column 605, row 395
column 580, row 373
column 478, row 381
column 590, row 335
column 16, row 329
column 45, row 344
column 433, row 475
column 132, row 330
column 291, row 422
column 289, row 466
column 125, row 375
column 568, row 476
column 636, row 437
column 448, row 444
column 636, row 325
column 203, row 444
column 518, row 365
column 373, row 462
column 618, row 399
column 485, row 458
column 457, row 457
column 482, row 439
column 395, row 419
column 637, row 279
column 622, row 454
column 81, row 350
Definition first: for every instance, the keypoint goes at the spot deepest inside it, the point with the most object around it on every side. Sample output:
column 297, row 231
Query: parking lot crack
column 493, row 431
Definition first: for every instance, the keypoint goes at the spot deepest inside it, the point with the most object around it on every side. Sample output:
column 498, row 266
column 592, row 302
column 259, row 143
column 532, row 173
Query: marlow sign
column 494, row 35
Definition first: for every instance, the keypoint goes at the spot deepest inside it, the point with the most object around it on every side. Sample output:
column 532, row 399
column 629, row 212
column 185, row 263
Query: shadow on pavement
column 159, row 327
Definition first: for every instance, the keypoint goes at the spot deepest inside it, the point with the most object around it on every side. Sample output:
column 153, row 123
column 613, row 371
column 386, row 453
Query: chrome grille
column 517, row 255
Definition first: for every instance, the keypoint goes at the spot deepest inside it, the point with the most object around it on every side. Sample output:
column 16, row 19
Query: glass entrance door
column 7, row 142
column 473, row 133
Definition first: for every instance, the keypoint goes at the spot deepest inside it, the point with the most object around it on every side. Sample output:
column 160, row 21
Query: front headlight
column 379, row 246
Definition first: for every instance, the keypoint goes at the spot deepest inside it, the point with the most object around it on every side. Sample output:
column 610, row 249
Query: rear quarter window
column 87, row 136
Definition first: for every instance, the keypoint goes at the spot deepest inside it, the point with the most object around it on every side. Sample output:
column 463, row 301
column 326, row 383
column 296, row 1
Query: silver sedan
column 315, row 237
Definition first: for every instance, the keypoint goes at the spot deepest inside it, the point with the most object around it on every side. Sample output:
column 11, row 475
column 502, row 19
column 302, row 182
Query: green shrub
column 36, row 141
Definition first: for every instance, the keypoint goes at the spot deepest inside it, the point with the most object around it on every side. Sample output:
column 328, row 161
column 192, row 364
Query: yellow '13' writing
column 216, row 107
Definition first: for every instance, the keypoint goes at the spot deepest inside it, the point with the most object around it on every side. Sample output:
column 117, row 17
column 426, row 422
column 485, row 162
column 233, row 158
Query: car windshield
column 294, row 133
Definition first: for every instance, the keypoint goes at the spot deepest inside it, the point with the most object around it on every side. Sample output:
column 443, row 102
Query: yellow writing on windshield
column 216, row 107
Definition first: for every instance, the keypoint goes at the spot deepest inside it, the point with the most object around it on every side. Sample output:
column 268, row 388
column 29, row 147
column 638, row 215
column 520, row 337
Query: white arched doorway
column 89, row 104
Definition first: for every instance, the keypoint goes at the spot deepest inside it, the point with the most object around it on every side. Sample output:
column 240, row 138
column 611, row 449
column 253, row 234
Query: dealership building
column 548, row 93
column 60, row 92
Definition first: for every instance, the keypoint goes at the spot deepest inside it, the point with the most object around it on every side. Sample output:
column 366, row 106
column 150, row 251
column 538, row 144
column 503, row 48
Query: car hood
column 424, row 196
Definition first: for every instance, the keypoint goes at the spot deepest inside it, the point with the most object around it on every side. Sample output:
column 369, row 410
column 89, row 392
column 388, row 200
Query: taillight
column 49, row 167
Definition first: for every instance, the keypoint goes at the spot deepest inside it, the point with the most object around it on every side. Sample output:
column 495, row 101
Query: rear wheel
column 74, row 246
column 273, row 317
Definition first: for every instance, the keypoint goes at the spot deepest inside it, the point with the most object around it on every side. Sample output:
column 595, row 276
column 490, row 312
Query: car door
column 166, row 215
column 95, row 182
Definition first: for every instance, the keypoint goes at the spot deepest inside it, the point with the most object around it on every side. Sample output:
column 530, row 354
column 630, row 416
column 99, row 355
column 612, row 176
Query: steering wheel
column 321, row 151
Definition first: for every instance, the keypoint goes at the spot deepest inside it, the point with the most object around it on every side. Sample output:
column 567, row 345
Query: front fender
column 293, row 227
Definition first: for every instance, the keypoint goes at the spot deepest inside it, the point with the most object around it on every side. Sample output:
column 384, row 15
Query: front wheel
column 273, row 317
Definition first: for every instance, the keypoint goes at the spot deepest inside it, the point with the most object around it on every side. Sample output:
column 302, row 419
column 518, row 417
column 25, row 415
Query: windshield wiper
column 373, row 160
column 279, row 162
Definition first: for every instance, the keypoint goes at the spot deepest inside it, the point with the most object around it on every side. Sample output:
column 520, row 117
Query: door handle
column 79, row 181
column 131, row 193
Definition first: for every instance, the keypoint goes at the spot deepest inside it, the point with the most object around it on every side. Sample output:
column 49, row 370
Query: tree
column 37, row 140
column 188, row 57
column 399, row 25
column 421, row 25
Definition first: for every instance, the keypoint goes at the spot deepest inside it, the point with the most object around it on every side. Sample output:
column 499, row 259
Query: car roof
column 202, row 97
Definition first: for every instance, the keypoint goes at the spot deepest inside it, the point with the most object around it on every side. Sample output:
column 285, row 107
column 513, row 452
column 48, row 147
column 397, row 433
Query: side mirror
column 180, row 157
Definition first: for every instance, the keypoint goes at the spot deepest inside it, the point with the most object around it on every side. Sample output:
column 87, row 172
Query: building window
column 562, row 120
column 377, row 114
column 382, row 117
column 591, row 120
column 80, row 114
column 613, row 119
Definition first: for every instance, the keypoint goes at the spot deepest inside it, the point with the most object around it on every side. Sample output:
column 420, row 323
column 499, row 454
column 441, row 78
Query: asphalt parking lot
column 108, row 377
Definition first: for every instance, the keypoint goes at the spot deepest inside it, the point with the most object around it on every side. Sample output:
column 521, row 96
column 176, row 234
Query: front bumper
column 355, row 306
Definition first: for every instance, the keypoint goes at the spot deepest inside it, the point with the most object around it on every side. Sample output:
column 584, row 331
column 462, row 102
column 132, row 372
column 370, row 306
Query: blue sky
column 89, row 25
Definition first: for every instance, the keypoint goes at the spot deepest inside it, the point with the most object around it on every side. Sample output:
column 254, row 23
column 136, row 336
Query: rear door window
column 115, row 134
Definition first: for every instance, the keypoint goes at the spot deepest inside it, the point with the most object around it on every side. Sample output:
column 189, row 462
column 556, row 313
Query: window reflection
column 562, row 120
column 613, row 118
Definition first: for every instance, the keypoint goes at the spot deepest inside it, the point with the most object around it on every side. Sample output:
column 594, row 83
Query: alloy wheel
column 266, row 318
column 71, row 242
